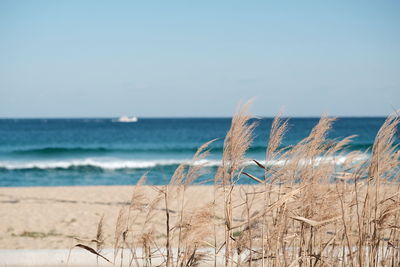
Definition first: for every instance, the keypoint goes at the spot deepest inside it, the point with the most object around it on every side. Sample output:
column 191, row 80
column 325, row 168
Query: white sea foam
column 115, row 164
column 111, row 164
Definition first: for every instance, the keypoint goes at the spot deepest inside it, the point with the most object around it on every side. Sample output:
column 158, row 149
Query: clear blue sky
column 198, row 58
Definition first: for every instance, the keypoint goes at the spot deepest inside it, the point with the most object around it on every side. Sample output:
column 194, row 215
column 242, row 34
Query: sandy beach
column 39, row 225
column 53, row 217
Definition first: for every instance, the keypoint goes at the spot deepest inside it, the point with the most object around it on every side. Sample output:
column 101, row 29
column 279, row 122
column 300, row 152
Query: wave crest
column 118, row 164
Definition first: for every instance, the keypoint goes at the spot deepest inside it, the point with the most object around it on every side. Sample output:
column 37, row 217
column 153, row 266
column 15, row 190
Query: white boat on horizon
column 127, row 119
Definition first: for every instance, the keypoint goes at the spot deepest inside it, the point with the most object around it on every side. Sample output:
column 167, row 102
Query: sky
column 198, row 58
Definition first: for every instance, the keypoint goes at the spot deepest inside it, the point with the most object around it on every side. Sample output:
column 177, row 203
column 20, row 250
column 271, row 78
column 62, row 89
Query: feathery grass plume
column 313, row 172
column 170, row 194
column 196, row 227
column 179, row 175
column 120, row 232
column 136, row 207
column 198, row 163
column 146, row 236
column 125, row 220
column 385, row 158
column 100, row 237
column 303, row 157
column 295, row 160
column 174, row 192
column 237, row 141
column 138, row 196
column 306, row 163
column 278, row 129
column 195, row 170
column 383, row 167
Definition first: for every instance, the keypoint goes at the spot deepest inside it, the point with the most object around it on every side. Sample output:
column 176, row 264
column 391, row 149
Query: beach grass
column 303, row 212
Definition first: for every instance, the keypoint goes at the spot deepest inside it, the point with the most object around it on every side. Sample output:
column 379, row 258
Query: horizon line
column 189, row 117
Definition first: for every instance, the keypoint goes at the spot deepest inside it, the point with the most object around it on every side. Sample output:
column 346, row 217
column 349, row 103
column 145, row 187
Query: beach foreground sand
column 61, row 217
column 37, row 220
column 53, row 217
column 38, row 225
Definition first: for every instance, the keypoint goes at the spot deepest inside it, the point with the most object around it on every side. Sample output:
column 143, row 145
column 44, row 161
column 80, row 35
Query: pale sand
column 50, row 217
column 42, row 219
column 53, row 217
column 38, row 225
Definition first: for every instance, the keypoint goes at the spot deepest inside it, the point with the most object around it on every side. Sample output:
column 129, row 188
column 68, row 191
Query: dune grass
column 294, row 216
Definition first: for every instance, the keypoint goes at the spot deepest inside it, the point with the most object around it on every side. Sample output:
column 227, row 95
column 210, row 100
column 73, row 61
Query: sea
column 103, row 151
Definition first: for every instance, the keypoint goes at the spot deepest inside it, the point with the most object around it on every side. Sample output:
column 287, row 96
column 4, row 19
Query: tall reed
column 310, row 210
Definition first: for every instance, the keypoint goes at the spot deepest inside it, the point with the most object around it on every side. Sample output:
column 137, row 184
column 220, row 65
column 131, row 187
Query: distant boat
column 127, row 119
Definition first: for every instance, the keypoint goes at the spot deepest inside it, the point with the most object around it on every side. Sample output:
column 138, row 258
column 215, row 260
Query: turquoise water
column 55, row 152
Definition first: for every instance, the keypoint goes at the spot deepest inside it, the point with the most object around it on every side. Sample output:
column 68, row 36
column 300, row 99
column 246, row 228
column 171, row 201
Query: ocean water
column 56, row 152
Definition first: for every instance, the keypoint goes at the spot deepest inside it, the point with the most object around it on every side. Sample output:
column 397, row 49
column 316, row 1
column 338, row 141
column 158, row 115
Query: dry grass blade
column 87, row 240
column 314, row 223
column 258, row 180
column 91, row 250
column 259, row 164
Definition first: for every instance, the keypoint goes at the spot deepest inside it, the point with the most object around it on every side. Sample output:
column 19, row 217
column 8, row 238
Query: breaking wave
column 116, row 164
